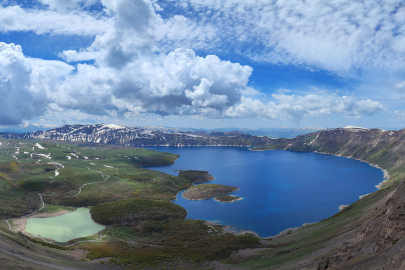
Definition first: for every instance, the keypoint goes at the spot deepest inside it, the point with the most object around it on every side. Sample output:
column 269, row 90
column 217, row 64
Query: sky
column 203, row 63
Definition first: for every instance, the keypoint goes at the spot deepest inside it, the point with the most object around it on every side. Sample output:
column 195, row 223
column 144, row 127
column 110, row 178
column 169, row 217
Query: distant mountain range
column 282, row 132
column 279, row 132
column 162, row 136
column 140, row 136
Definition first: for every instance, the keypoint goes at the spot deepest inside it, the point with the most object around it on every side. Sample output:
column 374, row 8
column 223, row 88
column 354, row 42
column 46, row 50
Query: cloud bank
column 146, row 64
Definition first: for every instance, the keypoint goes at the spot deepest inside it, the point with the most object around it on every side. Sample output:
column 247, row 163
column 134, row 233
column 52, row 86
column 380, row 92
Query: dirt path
column 19, row 223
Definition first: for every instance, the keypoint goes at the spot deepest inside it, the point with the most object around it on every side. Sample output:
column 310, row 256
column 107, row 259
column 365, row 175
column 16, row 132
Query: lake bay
column 280, row 189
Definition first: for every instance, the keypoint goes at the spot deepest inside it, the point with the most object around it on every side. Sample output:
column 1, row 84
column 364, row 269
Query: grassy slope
column 186, row 239
column 133, row 211
column 175, row 243
column 23, row 176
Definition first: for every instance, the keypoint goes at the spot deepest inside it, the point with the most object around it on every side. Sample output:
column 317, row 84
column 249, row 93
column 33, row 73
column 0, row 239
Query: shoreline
column 229, row 229
column 386, row 178
column 19, row 224
column 380, row 185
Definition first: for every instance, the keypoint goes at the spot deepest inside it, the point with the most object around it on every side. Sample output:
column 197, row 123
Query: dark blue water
column 281, row 189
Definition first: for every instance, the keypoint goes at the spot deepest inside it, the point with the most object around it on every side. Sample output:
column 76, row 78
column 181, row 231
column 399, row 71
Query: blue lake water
column 281, row 189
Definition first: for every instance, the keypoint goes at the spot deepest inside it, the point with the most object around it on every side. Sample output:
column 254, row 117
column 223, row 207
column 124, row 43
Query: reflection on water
column 64, row 228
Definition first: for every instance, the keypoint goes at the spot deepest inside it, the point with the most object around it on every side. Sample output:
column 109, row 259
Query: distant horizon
column 38, row 127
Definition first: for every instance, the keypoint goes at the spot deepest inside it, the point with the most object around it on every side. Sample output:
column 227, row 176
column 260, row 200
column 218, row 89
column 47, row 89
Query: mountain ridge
column 139, row 136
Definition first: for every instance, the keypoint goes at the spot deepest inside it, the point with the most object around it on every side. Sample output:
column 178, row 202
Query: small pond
column 64, row 228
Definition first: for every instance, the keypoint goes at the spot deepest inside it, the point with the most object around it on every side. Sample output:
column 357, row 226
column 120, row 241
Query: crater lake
column 280, row 189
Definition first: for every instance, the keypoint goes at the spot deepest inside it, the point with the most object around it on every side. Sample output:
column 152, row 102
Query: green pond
column 64, row 228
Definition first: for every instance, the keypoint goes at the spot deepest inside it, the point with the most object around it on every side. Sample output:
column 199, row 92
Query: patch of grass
column 227, row 198
column 188, row 240
column 133, row 211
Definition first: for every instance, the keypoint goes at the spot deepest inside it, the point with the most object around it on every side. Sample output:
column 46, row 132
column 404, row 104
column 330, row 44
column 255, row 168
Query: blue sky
column 203, row 63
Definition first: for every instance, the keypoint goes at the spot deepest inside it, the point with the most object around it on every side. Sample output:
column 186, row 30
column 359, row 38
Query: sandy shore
column 19, row 224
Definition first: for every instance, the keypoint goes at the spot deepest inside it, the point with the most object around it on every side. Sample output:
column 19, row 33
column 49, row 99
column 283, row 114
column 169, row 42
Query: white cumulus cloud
column 24, row 84
column 295, row 107
column 146, row 64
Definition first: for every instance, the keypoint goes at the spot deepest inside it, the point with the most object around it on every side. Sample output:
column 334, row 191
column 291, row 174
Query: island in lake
column 207, row 191
column 228, row 198
column 197, row 177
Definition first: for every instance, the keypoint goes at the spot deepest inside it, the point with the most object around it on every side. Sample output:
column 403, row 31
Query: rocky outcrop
column 392, row 228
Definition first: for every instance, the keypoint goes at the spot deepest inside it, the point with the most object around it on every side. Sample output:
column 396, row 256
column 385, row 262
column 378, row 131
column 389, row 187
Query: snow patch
column 45, row 156
column 39, row 146
column 69, row 157
column 108, row 166
column 113, row 126
column 86, row 157
column 58, row 166
column 353, row 127
column 314, row 139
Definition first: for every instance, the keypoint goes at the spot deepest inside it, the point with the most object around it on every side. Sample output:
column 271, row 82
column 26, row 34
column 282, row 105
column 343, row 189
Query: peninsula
column 207, row 191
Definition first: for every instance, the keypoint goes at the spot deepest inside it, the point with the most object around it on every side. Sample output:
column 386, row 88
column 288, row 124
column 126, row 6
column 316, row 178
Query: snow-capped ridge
column 353, row 127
